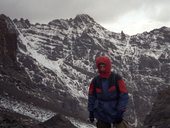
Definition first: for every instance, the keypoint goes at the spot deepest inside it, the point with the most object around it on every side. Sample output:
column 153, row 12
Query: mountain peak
column 3, row 16
column 163, row 29
column 22, row 23
column 83, row 18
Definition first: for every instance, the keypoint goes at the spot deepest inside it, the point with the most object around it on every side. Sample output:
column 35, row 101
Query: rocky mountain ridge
column 56, row 62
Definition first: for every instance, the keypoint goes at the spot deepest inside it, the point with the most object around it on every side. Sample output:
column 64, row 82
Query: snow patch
column 25, row 109
column 80, row 124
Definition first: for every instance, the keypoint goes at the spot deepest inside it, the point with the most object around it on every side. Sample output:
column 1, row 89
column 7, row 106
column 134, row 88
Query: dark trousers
column 101, row 124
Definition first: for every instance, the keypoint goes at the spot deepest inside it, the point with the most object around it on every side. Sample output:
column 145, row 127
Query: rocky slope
column 160, row 114
column 9, row 119
column 23, row 92
column 52, row 65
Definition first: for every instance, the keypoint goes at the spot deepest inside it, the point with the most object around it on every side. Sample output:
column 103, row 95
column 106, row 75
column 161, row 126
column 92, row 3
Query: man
column 108, row 96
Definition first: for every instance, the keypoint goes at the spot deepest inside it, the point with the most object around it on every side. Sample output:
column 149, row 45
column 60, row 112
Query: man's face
column 102, row 67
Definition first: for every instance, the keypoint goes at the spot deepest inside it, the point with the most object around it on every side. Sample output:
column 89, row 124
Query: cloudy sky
column 131, row 16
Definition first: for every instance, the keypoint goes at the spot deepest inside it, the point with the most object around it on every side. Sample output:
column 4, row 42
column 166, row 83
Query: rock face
column 50, row 66
column 9, row 119
column 159, row 117
column 8, row 40
column 58, row 121
column 18, row 90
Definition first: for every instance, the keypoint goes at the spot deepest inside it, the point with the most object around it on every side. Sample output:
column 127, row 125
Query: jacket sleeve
column 123, row 96
column 91, row 97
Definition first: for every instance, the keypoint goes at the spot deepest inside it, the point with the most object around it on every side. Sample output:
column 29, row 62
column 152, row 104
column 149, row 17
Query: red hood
column 107, row 62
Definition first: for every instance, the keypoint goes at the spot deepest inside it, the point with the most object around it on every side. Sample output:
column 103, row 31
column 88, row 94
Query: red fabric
column 98, row 90
column 122, row 86
column 91, row 89
column 107, row 62
column 112, row 88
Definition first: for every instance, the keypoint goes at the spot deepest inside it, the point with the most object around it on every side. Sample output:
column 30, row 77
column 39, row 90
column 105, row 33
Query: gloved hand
column 91, row 117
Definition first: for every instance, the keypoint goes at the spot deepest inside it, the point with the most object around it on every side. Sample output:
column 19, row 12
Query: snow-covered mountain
column 51, row 65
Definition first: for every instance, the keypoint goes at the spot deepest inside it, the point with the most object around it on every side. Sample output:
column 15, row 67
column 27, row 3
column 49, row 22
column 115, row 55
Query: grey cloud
column 100, row 10
column 158, row 10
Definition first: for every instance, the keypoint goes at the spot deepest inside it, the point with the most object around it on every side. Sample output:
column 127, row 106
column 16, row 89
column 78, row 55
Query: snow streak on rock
column 26, row 109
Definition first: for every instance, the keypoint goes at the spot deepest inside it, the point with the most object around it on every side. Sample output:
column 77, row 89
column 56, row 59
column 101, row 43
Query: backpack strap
column 95, row 82
column 114, row 77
